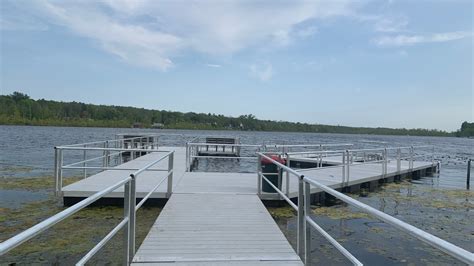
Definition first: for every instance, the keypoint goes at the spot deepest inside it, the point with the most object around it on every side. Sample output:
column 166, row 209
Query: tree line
column 19, row 109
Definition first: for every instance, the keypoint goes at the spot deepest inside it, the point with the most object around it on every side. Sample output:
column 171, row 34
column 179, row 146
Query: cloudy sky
column 357, row 63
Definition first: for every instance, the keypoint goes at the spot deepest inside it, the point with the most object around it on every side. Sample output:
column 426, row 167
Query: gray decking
column 215, row 182
column 217, row 218
column 214, row 229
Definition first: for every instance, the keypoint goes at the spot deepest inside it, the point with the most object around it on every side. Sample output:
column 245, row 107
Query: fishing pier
column 219, row 217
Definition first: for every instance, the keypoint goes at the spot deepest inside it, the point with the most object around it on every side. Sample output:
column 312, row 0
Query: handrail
column 106, row 149
column 222, row 145
column 128, row 222
column 309, row 145
column 303, row 221
column 304, row 191
column 223, row 157
column 109, row 141
column 31, row 232
column 108, row 153
column 426, row 237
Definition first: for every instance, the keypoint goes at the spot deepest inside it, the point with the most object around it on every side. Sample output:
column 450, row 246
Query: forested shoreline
column 20, row 109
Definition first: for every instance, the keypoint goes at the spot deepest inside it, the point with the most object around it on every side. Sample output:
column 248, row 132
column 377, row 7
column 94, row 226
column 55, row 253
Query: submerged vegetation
column 79, row 233
column 20, row 109
column 34, row 183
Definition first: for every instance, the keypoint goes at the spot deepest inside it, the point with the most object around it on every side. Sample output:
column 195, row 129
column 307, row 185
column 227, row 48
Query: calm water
column 28, row 151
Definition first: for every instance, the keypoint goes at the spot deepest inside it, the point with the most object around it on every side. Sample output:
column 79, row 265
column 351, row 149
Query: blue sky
column 356, row 63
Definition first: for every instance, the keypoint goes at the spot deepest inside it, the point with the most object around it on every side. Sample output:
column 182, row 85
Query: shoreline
column 449, row 135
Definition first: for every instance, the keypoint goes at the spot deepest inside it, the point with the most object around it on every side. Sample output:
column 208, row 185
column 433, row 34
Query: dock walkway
column 215, row 229
column 218, row 218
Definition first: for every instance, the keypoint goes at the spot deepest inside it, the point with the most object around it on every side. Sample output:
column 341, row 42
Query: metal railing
column 127, row 223
column 357, row 157
column 193, row 150
column 105, row 155
column 305, row 222
column 287, row 148
column 194, row 147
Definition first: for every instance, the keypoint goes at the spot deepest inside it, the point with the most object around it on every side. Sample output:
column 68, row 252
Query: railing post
column 399, row 163
column 84, row 164
column 287, row 175
column 56, row 171
column 307, row 227
column 131, row 221
column 60, row 172
column 348, row 160
column 385, row 161
column 343, row 168
column 107, row 154
column 259, row 177
column 468, row 178
column 382, row 164
column 411, row 158
column 187, row 157
column 320, row 155
column 170, row 174
column 432, row 155
column 301, row 214
column 103, row 154
column 126, row 232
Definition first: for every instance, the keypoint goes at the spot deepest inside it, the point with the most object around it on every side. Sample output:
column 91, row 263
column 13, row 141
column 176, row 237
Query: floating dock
column 215, row 218
column 366, row 175
column 218, row 218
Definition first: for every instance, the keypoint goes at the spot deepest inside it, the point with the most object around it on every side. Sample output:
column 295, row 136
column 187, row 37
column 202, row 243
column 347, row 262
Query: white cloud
column 151, row 33
column 134, row 44
column 263, row 71
column 214, row 65
column 406, row 40
column 391, row 24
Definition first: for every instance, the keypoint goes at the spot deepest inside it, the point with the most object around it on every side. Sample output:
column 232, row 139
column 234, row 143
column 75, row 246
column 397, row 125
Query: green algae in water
column 33, row 184
column 281, row 212
column 79, row 233
column 339, row 212
column 67, row 241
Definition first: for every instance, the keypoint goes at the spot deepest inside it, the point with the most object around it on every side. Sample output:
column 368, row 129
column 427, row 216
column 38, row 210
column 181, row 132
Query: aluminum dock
column 218, row 218
column 361, row 175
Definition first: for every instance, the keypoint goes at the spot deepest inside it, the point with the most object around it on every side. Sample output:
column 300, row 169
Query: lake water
column 439, row 205
column 28, row 151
